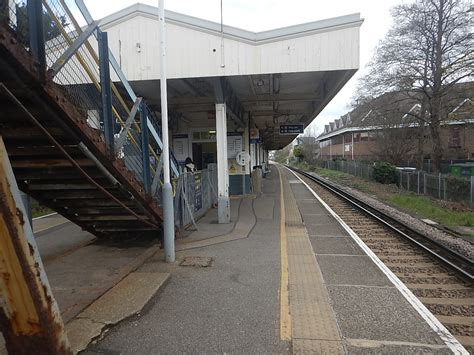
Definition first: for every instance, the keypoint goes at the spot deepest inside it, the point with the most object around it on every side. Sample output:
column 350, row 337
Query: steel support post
column 29, row 316
column 223, row 203
column 36, row 34
column 105, row 89
column 26, row 199
column 168, row 208
column 439, row 186
column 472, row 190
column 145, row 151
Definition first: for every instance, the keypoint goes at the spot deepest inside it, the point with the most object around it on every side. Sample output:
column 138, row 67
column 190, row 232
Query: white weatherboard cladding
column 190, row 51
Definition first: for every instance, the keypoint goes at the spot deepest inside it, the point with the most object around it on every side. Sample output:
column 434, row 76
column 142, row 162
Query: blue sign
column 291, row 129
column 256, row 140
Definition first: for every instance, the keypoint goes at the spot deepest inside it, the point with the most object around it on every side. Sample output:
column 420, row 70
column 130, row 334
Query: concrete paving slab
column 79, row 278
column 379, row 313
column 41, row 224
column 264, row 207
column 61, row 239
column 364, row 346
column 125, row 299
column 81, row 332
column 351, row 270
column 246, row 221
column 326, row 230
column 310, row 347
column 317, row 220
column 311, row 207
column 208, row 226
column 335, row 245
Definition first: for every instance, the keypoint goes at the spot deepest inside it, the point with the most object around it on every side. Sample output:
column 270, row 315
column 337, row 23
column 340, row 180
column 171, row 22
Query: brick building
column 388, row 125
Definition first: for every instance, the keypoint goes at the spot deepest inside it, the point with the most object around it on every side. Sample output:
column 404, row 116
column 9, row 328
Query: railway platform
column 283, row 277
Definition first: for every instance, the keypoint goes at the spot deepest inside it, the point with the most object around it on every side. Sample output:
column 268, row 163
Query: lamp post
column 168, row 214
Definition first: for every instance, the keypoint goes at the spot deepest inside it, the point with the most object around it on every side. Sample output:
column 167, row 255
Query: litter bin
column 256, row 176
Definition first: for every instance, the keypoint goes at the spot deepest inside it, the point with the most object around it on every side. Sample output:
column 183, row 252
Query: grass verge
column 427, row 208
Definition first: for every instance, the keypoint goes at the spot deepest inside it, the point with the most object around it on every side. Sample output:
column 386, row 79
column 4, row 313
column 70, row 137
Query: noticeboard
column 291, row 129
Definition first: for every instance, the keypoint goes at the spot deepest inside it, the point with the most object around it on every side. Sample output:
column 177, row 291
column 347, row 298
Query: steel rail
column 382, row 218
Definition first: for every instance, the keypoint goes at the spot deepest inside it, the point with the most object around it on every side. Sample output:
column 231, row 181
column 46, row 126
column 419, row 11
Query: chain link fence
column 440, row 186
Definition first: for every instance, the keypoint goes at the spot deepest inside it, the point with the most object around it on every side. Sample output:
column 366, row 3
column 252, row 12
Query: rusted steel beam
column 29, row 316
column 48, row 163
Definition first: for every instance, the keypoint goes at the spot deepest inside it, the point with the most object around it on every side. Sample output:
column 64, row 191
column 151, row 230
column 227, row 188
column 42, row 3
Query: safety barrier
column 195, row 194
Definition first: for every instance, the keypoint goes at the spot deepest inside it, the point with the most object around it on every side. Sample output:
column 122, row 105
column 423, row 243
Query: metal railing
column 80, row 62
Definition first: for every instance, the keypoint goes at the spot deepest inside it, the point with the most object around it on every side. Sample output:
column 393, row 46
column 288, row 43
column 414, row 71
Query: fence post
column 444, row 187
column 424, row 183
column 408, row 181
column 418, row 183
column 401, row 179
column 105, row 89
column 472, row 192
column 439, row 186
column 145, row 151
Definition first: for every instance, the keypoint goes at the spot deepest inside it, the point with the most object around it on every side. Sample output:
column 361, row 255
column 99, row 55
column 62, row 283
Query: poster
column 234, row 145
column 234, row 168
column 180, row 146
column 197, row 191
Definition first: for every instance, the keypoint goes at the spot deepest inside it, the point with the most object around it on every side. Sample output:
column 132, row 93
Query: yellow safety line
column 285, row 316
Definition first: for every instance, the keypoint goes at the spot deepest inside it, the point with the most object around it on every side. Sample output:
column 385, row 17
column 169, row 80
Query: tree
column 298, row 152
column 426, row 52
column 50, row 27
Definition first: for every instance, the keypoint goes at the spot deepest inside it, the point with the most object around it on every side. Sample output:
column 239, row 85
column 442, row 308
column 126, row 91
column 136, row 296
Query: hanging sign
column 291, row 129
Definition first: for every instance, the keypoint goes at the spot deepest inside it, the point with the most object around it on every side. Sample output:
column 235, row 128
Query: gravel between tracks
column 460, row 245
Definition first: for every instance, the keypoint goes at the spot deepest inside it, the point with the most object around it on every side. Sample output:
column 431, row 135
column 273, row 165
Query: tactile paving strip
column 314, row 327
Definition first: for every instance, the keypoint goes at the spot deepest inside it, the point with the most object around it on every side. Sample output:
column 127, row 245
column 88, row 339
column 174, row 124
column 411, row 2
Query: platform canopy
column 271, row 78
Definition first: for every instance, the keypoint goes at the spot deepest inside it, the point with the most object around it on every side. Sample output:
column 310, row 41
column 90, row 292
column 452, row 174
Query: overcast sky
column 260, row 15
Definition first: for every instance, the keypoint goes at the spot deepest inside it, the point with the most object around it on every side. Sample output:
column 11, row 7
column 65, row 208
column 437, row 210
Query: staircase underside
column 43, row 171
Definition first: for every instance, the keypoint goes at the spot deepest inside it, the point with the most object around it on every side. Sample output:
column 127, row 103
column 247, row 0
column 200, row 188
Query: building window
column 455, row 139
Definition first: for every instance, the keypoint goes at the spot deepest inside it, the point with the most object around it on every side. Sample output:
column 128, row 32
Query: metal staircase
column 79, row 143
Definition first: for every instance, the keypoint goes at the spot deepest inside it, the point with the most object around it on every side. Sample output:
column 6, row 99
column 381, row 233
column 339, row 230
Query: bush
column 385, row 173
column 298, row 152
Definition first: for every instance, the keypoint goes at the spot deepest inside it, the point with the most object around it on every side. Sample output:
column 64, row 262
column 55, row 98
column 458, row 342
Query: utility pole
column 168, row 213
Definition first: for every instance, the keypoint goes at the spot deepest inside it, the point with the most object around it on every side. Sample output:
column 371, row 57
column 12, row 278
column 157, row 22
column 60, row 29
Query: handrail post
column 145, row 151
column 36, row 34
column 105, row 89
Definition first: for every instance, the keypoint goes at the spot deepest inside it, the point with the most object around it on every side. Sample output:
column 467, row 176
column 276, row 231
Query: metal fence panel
column 439, row 186
column 195, row 195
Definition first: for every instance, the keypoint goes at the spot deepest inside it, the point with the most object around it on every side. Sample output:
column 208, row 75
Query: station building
column 256, row 81
column 231, row 90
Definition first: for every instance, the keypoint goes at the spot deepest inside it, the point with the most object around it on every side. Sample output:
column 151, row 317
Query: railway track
column 441, row 278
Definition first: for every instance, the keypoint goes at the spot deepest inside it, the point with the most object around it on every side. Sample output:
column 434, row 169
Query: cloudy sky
column 260, row 15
